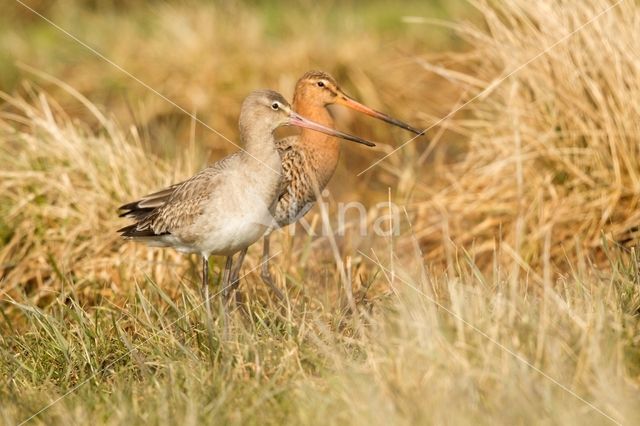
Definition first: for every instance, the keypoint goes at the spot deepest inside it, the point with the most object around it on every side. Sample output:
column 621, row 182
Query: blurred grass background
column 206, row 56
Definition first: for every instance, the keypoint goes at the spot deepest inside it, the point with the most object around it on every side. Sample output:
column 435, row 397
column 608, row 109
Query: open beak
column 298, row 120
column 345, row 100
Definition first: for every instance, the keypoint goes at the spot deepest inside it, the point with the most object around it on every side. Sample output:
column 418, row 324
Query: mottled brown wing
column 285, row 148
column 176, row 206
column 297, row 194
column 157, row 198
column 142, row 207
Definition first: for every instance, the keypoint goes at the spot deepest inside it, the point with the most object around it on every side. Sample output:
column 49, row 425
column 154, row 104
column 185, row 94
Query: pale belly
column 236, row 235
column 230, row 223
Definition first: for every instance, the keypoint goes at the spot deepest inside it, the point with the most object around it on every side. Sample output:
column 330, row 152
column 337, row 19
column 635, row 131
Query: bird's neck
column 324, row 150
column 260, row 147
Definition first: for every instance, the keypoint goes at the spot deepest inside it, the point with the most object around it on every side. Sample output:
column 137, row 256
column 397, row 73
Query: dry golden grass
column 207, row 56
column 194, row 57
column 61, row 183
column 553, row 154
column 523, row 196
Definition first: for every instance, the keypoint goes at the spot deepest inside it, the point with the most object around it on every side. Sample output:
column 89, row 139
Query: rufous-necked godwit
column 310, row 158
column 228, row 205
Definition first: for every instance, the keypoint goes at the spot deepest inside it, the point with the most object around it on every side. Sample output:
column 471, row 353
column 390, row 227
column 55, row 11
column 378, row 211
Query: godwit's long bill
column 229, row 205
column 342, row 98
column 309, row 159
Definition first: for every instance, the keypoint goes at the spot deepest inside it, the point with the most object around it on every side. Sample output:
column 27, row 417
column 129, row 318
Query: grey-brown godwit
column 229, row 205
column 309, row 159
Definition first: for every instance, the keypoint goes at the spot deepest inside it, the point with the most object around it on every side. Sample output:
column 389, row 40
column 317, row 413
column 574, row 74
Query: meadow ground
column 510, row 294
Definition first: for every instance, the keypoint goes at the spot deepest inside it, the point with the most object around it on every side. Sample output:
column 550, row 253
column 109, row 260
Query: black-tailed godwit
column 229, row 205
column 310, row 158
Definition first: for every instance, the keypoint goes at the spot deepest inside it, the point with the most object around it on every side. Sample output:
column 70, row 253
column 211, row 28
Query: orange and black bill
column 357, row 106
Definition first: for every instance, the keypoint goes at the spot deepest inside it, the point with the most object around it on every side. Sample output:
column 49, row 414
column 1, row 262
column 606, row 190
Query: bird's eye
column 320, row 84
column 275, row 106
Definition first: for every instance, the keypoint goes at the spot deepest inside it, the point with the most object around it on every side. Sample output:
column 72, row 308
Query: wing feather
column 176, row 206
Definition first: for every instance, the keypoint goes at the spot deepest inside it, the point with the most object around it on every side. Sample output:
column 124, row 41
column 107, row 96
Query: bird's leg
column 234, row 281
column 265, row 274
column 205, row 284
column 226, row 286
column 225, row 294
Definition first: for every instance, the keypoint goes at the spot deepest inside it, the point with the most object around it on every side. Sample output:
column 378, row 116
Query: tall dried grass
column 553, row 147
column 60, row 185
column 550, row 158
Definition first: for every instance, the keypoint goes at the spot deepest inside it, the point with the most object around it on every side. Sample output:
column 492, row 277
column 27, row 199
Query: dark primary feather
column 132, row 231
column 147, row 203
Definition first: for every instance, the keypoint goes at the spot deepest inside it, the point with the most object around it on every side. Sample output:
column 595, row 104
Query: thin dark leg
column 226, row 286
column 265, row 274
column 235, row 272
column 225, row 294
column 205, row 284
